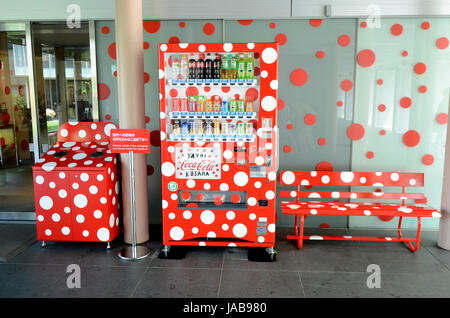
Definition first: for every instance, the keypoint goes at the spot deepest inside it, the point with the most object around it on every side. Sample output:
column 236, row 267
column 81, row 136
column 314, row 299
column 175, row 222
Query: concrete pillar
column 130, row 78
column 444, row 225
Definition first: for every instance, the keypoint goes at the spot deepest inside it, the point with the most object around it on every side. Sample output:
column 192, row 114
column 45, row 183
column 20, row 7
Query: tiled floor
column 320, row 269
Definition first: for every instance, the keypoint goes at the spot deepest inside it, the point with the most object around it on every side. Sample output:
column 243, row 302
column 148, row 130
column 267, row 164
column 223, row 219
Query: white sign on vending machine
column 197, row 163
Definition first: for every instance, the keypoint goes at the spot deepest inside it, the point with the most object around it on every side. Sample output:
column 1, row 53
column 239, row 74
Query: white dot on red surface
column 64, row 132
column 103, row 234
column 174, row 196
column 93, row 189
column 46, row 202
column 66, row 209
column 190, row 183
column 239, row 230
column 269, row 55
column 252, row 216
column 72, row 164
column 288, row 177
column 165, row 204
column 271, row 228
column 240, row 179
column 62, row 175
column 69, row 144
column 39, row 180
column 362, row 180
column 167, row 169
column 163, row 47
column 251, row 201
column 48, row 232
column 270, row 195
column 187, row 214
column 258, row 184
column 65, row 230
column 112, row 176
column 84, row 177
column 227, row 47
column 100, row 177
column 225, row 227
column 183, row 45
column 88, row 162
column 75, row 186
column 206, row 186
column 98, row 214
column 264, row 74
column 170, row 149
column 40, row 218
column 325, row 179
column 82, row 133
column 230, row 215
column 225, row 167
column 56, row 217
column 80, row 201
column 85, row 233
column 250, row 46
column 347, row 176
column 211, row 234
column 268, row 146
column 259, row 161
column 271, row 176
column 80, row 218
column 207, row 217
column 201, row 48
column 395, row 176
column 171, row 215
column 49, row 166
column 161, row 74
column 269, row 103
column 194, row 230
column 224, row 187
column 261, row 239
column 79, row 156
column 274, row 84
column 227, row 154
column 367, row 212
column 52, row 185
column 62, row 193
column 412, row 182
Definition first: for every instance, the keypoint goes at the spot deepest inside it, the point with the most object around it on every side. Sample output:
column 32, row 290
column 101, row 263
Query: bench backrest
column 306, row 180
column 85, row 131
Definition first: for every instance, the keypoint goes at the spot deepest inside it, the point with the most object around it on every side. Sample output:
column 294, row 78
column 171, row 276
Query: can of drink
column 224, row 106
column 249, row 129
column 208, row 128
column 224, row 128
column 241, row 129
column 233, row 105
column 176, row 104
column 208, row 106
column 192, row 104
column 184, row 104
column 191, row 127
column 249, row 106
column 176, row 128
column 201, row 104
column 199, row 127
column 216, row 127
column 184, row 128
column 240, row 106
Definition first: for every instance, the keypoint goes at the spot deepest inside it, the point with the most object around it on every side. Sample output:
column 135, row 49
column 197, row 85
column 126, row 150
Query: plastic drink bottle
column 232, row 71
column 176, row 104
column 208, row 106
column 224, row 67
column 184, row 105
column 176, row 66
column 184, row 67
column 216, row 105
column 201, row 104
column 201, row 66
column 216, row 66
column 249, row 106
column 208, row 66
column 241, row 67
column 192, row 67
column 249, row 66
column 192, row 104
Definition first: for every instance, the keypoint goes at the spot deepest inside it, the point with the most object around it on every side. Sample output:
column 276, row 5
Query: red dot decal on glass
column 146, row 45
column 420, row 68
column 322, row 141
column 346, row 85
column 344, row 40
column 315, row 22
column 366, row 58
column 281, row 38
column 208, row 28
column 405, row 102
column 152, row 26
column 379, row 81
column 385, row 218
column 272, row 25
column 191, row 91
column 396, row 29
column 112, row 50
column 173, row 92
column 320, row 54
column 442, row 118
column 146, row 77
column 339, row 103
column 442, row 43
column 287, row 149
column 370, row 154
column 218, row 200
column 252, row 94
column 108, row 117
column 299, row 77
column 105, row 30
column 150, row 170
column 405, row 53
column 103, row 91
column 324, row 166
column 423, row 89
column 174, row 40
column 355, row 131
column 324, row 226
column 382, row 132
column 147, row 119
column 207, row 89
column 24, row 145
column 245, row 22
column 235, row 198
column 381, row 107
column 425, row 25
column 428, row 160
column 310, row 119
column 256, row 71
column 185, row 195
column 411, row 138
column 280, row 104
column 363, row 24
column 155, row 138
column 7, row 90
column 226, row 89
column 182, row 24
column 289, row 126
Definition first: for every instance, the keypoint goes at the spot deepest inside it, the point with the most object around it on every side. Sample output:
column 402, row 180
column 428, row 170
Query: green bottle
column 232, row 74
column 224, row 67
column 249, row 66
column 241, row 67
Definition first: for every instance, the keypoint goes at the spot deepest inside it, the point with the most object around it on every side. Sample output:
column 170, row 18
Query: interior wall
column 323, row 90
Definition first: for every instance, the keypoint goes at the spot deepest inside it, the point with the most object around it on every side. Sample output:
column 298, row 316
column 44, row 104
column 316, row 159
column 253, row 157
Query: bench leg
column 419, row 227
column 299, row 235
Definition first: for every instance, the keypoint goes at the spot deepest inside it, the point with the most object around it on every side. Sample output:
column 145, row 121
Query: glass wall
column 334, row 75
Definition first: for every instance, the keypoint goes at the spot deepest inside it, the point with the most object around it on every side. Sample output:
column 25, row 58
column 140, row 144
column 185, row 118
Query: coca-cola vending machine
column 219, row 145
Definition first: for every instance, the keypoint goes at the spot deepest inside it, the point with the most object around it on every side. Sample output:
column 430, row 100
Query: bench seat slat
column 351, row 195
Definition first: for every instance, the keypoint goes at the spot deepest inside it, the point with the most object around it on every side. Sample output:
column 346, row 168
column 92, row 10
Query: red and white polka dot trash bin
column 76, row 186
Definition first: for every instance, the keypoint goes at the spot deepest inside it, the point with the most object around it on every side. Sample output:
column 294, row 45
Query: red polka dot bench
column 310, row 198
column 76, row 187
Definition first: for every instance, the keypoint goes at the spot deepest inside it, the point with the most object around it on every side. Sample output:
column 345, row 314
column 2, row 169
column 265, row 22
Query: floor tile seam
column 133, row 293
column 301, row 284
column 221, row 275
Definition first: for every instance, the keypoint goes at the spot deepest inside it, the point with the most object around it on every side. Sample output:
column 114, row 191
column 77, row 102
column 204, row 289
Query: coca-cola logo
column 204, row 165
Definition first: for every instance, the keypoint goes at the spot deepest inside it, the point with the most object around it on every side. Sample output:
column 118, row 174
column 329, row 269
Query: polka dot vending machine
column 76, row 186
column 219, row 146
